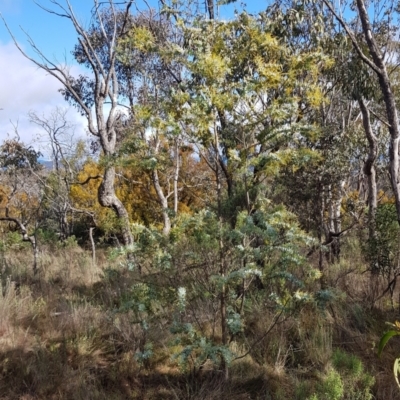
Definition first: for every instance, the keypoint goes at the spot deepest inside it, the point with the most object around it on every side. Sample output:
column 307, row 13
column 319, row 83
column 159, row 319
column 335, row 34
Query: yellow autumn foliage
column 84, row 196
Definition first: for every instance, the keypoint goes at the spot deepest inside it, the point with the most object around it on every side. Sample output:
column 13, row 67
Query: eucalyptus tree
column 153, row 139
column 350, row 96
column 145, row 80
column 97, row 94
column 375, row 46
column 317, row 200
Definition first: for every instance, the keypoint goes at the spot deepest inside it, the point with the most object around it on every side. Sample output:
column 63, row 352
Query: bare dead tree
column 57, row 184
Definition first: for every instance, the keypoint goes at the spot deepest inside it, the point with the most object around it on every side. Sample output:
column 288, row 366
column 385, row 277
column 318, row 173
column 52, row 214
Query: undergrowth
column 73, row 331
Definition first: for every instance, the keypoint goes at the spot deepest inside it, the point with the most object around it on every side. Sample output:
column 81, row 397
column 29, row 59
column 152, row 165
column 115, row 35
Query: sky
column 23, row 86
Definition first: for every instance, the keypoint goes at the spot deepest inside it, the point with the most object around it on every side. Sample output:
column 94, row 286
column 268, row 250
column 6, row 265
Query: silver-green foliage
column 182, row 282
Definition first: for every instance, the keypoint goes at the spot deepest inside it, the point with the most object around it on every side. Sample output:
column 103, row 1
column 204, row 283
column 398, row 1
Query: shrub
column 331, row 387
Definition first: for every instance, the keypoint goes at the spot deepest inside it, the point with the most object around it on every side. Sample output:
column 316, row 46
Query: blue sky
column 55, row 35
column 24, row 87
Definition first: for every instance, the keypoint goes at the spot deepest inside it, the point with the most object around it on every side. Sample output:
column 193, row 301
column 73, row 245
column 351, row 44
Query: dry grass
column 61, row 338
column 55, row 342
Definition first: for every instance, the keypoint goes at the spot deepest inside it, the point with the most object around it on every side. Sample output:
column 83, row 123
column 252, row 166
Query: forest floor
column 62, row 338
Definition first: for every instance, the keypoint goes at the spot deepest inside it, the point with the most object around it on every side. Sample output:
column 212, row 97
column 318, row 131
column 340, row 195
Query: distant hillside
column 48, row 164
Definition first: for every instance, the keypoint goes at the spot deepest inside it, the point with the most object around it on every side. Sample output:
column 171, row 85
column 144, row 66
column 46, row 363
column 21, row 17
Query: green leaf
column 385, row 338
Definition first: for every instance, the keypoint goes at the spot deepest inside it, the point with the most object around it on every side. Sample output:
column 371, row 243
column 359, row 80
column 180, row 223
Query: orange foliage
column 385, row 198
column 135, row 189
column 84, row 196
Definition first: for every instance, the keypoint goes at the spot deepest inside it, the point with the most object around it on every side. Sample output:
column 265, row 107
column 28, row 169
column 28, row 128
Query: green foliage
column 265, row 132
column 192, row 256
column 197, row 349
column 15, row 154
column 302, row 391
column 47, row 236
column 331, row 387
column 357, row 383
column 346, row 380
column 12, row 240
column 383, row 250
column 324, row 297
column 145, row 355
column 347, row 363
column 69, row 243
column 234, row 321
column 395, row 331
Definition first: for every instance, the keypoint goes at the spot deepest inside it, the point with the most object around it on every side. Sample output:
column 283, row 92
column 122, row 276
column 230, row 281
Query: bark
column 390, row 104
column 335, row 220
column 222, row 264
column 108, row 198
column 369, row 169
column 337, row 207
column 176, row 176
column 321, row 232
column 210, row 9
column 163, row 201
column 228, row 175
column 160, row 194
column 330, row 226
column 93, row 246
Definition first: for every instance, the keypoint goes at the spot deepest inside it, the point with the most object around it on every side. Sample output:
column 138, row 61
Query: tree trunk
column 108, row 198
column 163, row 201
column 222, row 264
column 210, row 9
column 160, row 194
column 330, row 226
column 369, row 170
column 35, row 249
column 321, row 233
column 176, row 176
column 93, row 246
column 336, row 220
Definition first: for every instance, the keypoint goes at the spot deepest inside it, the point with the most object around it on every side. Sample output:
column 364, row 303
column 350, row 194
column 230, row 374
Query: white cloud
column 10, row 6
column 25, row 88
